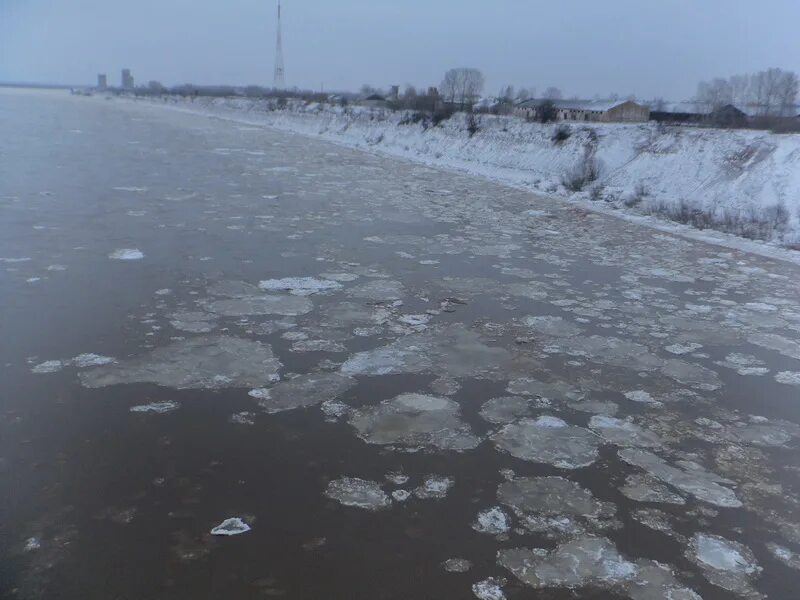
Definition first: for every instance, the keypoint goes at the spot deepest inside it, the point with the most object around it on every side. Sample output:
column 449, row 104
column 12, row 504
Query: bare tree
column 462, row 85
column 525, row 94
column 658, row 105
column 553, row 93
column 771, row 93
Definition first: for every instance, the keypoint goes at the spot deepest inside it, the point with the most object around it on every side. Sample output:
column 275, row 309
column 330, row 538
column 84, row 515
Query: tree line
column 770, row 93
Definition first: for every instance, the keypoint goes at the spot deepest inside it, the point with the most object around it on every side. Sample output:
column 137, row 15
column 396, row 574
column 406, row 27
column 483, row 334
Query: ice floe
column 457, row 565
column 302, row 391
column 623, row 433
column 645, row 488
column 434, row 487
column 156, row 407
column 788, row 377
column 692, row 479
column 359, row 493
column 507, row 409
column 126, row 254
column 493, row 521
column 555, row 506
column 725, row 563
column 300, row 286
column 489, row 589
column 549, row 440
column 211, row 362
column 414, row 421
column 232, row 526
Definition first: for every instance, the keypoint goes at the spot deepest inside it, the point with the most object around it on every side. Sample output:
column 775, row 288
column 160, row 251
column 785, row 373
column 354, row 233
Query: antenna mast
column 279, row 79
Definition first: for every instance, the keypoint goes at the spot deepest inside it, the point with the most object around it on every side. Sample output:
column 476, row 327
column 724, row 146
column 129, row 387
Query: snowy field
column 742, row 182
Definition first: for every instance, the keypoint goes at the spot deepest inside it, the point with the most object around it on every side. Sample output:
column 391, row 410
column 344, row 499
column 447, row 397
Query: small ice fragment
column 49, row 366
column 396, row 478
column 233, row 526
column 680, row 349
column 435, row 486
column 91, row 360
column 156, row 407
column 401, row 495
column 126, row 254
column 32, row 544
column 360, row 493
column 492, row 521
column 788, row 377
column 457, row 565
column 489, row 589
column 641, row 396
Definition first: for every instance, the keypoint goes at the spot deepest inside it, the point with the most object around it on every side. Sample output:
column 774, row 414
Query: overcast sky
column 585, row 47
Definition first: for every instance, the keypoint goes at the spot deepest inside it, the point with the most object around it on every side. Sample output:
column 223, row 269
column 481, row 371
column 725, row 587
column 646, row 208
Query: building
column 127, row 79
column 595, row 111
column 102, row 81
column 375, row 101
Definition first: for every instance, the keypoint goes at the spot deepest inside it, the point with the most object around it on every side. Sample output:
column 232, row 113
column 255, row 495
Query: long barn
column 598, row 111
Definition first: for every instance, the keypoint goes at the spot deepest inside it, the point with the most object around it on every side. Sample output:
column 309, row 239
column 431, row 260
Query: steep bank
column 741, row 182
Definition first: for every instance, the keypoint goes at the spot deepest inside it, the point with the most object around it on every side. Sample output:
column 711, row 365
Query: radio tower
column 279, row 80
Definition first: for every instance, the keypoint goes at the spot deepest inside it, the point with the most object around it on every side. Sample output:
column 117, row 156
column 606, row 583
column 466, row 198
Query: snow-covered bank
column 745, row 182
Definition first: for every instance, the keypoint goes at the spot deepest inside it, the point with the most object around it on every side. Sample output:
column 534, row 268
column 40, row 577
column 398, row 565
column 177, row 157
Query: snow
column 707, row 168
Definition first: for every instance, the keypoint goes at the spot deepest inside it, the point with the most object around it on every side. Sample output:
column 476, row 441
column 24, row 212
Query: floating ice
column 645, row 488
column 193, row 321
column 457, row 565
column 342, row 277
column 126, row 254
column 32, row 543
column 300, row 286
column 554, row 504
column 693, row 480
column 318, row 346
column 788, row 377
column 785, row 555
column 778, row 343
column 49, row 366
column 233, row 526
column 727, row 564
column 396, row 478
column 91, row 360
column 489, row 589
column 558, row 391
column 549, row 440
column 434, row 486
column 303, row 391
column 156, row 407
column 683, row 348
column 642, row 397
column 211, row 362
column 401, row 495
column 508, row 409
column 14, row 260
column 581, row 562
column 129, row 188
column 493, row 521
column 243, row 418
column 691, row 374
column 381, row 290
column 288, row 306
column 744, row 364
column 414, row 421
column 360, row 493
column 552, row 326
column 452, row 351
column 623, row 433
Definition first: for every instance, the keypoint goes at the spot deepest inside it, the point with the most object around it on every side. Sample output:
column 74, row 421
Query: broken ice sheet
column 507, row 409
column 302, row 391
column 300, row 286
column 693, row 479
column 554, row 505
column 549, row 440
column 204, row 362
column 725, row 563
column 623, row 433
column 232, row 526
column 788, row 377
column 593, row 562
column 788, row 557
column 414, row 421
column 453, row 351
column 645, row 488
column 359, row 493
column 273, row 304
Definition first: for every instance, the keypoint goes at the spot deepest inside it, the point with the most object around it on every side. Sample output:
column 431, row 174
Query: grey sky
column 647, row 47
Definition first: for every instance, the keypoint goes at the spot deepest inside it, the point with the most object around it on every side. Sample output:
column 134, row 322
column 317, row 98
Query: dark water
column 120, row 504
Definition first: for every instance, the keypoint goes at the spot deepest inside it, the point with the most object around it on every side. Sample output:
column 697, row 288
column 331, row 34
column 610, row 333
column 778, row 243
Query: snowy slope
column 717, row 171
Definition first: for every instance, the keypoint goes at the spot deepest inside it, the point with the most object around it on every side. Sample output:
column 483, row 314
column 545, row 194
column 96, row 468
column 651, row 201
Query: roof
column 375, row 97
column 596, row 105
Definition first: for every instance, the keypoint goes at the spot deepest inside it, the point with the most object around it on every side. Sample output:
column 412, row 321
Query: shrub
column 441, row 115
column 581, row 174
column 473, row 124
column 562, row 134
column 547, row 111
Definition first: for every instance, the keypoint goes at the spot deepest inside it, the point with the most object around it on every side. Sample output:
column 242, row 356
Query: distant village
column 461, row 91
